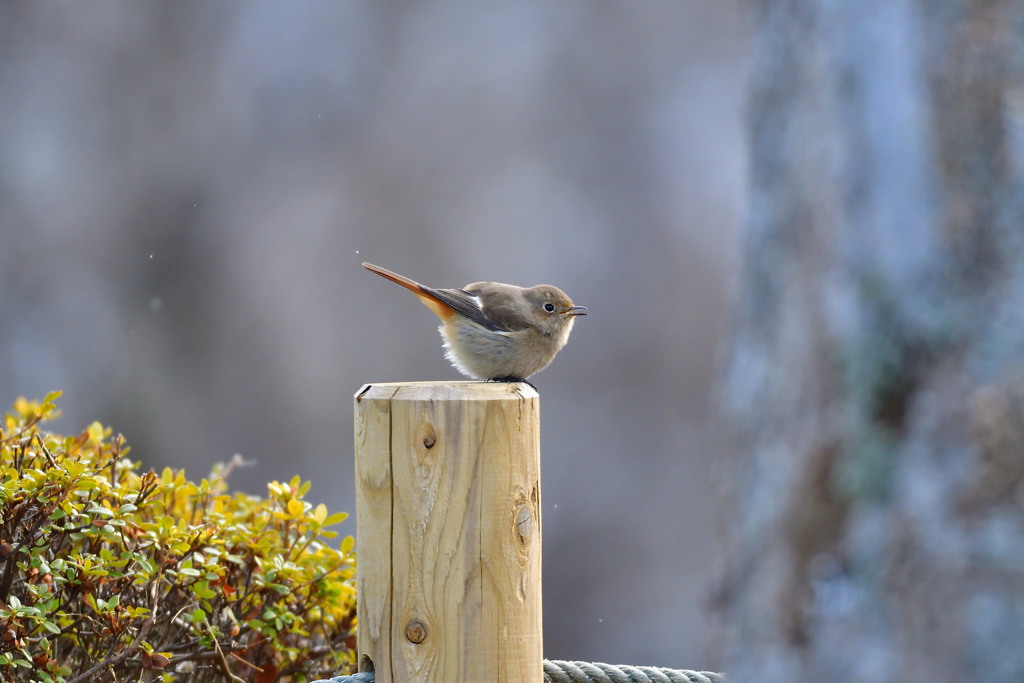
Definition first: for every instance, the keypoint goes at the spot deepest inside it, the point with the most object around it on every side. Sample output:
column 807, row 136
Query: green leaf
column 203, row 592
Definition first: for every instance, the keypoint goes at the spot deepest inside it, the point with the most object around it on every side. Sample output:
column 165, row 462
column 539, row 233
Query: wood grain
column 460, row 537
column 373, row 528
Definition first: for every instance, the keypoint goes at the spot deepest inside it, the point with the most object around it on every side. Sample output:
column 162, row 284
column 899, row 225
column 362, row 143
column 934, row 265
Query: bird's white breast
column 481, row 353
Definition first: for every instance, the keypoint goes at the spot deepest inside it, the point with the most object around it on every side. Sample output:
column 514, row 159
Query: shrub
column 109, row 574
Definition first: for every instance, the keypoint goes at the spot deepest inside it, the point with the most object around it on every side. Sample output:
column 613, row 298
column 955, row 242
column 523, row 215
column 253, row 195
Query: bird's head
column 551, row 310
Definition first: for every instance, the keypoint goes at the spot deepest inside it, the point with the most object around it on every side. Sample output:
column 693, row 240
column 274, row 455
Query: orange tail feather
column 440, row 308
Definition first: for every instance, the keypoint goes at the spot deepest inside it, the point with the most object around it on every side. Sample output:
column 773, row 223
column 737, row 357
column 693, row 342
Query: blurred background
column 187, row 190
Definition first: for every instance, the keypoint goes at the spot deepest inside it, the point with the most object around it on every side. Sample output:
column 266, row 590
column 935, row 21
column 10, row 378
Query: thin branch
column 46, row 451
column 247, row 663
column 124, row 654
column 223, row 660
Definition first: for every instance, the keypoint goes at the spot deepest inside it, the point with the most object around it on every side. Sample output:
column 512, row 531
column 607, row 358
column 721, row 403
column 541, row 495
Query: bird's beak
column 576, row 310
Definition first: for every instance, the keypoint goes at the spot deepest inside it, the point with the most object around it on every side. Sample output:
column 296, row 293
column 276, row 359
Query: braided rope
column 365, row 677
column 556, row 671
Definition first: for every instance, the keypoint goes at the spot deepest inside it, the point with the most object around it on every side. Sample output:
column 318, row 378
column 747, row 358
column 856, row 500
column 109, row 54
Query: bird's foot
column 514, row 380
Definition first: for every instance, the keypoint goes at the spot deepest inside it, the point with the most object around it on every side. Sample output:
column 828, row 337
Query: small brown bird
column 494, row 331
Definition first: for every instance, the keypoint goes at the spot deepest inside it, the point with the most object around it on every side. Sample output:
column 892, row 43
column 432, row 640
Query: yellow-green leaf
column 95, row 432
column 336, row 518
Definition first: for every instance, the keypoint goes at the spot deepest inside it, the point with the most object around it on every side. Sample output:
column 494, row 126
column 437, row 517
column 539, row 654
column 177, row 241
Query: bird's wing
column 501, row 305
column 469, row 305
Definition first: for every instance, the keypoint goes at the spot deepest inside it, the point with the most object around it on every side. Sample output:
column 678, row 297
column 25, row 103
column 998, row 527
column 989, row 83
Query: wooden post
column 448, row 532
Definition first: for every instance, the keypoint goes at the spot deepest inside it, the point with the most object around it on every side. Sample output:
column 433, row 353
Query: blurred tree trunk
column 876, row 381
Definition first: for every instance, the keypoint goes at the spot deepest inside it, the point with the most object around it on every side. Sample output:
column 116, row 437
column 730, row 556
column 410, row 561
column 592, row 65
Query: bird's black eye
column 549, row 307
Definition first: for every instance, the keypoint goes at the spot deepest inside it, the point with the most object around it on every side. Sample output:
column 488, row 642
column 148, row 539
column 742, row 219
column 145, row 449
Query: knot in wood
column 416, row 632
column 429, row 436
column 524, row 523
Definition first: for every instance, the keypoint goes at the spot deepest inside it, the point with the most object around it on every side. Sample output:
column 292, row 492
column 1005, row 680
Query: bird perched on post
column 494, row 331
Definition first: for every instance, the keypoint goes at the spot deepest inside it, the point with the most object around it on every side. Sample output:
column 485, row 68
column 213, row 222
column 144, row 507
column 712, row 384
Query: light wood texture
column 449, row 532
column 373, row 528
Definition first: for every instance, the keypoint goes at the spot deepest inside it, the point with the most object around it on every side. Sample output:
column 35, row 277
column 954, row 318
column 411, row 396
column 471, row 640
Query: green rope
column 556, row 671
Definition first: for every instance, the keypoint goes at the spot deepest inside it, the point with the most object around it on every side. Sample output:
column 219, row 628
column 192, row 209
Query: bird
column 497, row 332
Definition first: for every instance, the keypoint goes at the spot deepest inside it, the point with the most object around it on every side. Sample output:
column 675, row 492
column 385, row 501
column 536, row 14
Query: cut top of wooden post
column 448, row 532
column 465, row 390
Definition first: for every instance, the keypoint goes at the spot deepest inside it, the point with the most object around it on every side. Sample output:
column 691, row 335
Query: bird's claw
column 514, row 380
